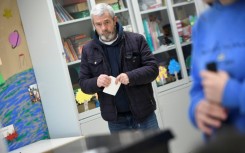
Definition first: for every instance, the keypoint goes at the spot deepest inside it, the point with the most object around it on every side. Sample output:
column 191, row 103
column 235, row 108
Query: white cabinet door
column 173, row 107
column 94, row 125
column 167, row 24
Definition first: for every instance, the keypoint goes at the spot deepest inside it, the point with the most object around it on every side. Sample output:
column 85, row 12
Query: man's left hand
column 123, row 78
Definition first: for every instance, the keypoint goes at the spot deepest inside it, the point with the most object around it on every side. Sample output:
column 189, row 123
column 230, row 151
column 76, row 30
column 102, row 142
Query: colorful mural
column 18, row 109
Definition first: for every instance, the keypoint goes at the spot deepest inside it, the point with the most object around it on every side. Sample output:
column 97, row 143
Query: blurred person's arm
column 223, row 90
column 203, row 114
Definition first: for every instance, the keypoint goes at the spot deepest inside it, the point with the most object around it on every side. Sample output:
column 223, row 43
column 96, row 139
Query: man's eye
column 98, row 24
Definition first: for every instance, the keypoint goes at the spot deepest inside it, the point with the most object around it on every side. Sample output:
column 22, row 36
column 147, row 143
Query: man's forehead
column 102, row 18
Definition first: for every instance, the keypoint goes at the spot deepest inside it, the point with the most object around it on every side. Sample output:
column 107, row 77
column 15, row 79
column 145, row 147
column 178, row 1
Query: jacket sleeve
column 196, row 92
column 234, row 95
column 87, row 82
column 149, row 69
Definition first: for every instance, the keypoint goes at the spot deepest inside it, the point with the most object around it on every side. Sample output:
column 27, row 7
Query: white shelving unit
column 172, row 95
column 167, row 12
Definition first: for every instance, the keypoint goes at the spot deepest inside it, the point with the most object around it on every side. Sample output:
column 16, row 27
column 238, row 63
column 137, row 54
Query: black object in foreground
column 212, row 67
column 152, row 141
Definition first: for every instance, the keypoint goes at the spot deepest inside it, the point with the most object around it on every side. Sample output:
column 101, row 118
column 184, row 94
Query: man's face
column 105, row 26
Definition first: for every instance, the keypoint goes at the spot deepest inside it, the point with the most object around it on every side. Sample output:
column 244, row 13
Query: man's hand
column 214, row 84
column 209, row 115
column 103, row 80
column 123, row 78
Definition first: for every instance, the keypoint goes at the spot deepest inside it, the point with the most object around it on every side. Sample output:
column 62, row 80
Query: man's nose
column 103, row 27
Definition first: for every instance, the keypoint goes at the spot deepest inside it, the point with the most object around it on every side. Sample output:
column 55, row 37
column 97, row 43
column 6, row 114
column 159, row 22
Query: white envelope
column 113, row 87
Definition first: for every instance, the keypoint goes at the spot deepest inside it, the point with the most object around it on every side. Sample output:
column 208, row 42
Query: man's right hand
column 209, row 115
column 103, row 80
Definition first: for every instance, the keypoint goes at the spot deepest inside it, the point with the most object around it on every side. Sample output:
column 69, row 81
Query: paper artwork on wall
column 34, row 93
column 7, row 13
column 9, row 132
column 1, row 79
column 22, row 62
column 14, row 39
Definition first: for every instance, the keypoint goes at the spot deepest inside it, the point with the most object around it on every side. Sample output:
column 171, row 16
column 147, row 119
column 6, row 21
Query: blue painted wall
column 17, row 108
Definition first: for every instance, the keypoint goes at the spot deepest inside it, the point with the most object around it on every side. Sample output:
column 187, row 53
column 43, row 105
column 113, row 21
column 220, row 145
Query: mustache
column 106, row 32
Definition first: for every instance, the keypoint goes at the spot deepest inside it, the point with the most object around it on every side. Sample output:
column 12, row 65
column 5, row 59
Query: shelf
column 183, row 4
column 74, row 62
column 186, row 43
column 121, row 11
column 73, row 21
column 89, row 113
column 170, row 86
column 153, row 10
column 86, row 18
column 163, row 48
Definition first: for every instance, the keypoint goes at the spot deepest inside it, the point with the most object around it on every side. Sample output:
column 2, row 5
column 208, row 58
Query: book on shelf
column 58, row 17
column 73, row 46
column 107, row 1
column 70, row 2
column 152, row 33
column 68, row 53
column 77, row 7
column 67, row 56
column 122, row 4
column 61, row 14
column 148, row 35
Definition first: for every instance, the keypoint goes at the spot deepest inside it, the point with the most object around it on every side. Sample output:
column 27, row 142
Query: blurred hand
column 103, row 80
column 214, row 84
column 123, row 78
column 209, row 115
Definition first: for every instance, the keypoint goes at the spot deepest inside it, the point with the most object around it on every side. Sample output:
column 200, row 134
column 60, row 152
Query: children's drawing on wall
column 7, row 13
column 22, row 62
column 9, row 133
column 34, row 93
column 1, row 76
column 14, row 39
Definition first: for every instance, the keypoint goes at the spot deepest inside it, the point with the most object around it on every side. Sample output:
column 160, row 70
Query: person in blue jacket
column 217, row 68
column 127, row 57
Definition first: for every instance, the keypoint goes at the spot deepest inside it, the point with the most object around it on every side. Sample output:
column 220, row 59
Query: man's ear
column 115, row 19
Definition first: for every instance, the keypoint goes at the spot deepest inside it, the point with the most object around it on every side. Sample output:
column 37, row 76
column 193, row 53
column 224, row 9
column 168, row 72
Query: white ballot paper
column 113, row 87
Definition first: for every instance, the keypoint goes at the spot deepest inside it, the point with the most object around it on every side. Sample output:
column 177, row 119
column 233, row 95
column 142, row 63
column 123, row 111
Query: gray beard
column 109, row 38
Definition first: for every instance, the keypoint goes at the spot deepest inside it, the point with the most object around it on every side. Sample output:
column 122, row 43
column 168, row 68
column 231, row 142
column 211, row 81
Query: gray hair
column 100, row 9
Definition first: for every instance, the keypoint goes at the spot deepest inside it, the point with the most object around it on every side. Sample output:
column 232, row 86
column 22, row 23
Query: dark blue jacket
column 136, row 61
column 112, row 52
